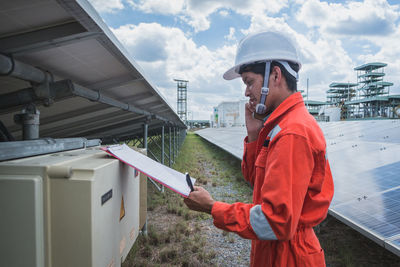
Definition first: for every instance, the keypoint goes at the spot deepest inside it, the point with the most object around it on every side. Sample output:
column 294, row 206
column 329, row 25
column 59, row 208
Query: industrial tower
column 373, row 90
column 182, row 99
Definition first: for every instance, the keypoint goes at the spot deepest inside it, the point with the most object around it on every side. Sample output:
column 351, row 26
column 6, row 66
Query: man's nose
column 247, row 91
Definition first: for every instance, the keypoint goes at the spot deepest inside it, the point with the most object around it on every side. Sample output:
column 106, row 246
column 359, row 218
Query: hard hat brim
column 231, row 73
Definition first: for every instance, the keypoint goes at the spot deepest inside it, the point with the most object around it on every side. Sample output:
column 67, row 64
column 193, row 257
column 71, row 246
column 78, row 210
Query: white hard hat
column 263, row 46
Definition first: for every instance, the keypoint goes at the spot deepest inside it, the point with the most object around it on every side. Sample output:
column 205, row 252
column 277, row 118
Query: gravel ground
column 230, row 249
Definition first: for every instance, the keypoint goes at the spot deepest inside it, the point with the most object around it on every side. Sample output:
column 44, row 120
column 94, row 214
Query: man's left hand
column 199, row 200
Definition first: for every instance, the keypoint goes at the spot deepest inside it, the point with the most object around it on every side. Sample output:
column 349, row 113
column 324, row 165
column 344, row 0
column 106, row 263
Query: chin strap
column 261, row 108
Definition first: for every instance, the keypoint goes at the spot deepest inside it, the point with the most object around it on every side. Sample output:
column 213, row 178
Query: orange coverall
column 292, row 190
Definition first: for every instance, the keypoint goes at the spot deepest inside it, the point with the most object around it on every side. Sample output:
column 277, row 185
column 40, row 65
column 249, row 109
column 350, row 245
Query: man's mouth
column 253, row 102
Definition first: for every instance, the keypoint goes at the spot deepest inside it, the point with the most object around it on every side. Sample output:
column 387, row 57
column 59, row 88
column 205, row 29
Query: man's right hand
column 253, row 125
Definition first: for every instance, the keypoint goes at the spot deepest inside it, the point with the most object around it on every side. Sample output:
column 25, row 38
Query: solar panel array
column 365, row 162
column 70, row 41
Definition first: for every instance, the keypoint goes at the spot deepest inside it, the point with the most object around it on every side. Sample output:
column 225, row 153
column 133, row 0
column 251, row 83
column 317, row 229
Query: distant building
column 229, row 114
column 198, row 123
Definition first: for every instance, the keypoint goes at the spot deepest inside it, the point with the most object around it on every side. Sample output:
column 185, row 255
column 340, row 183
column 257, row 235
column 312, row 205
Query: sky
column 196, row 40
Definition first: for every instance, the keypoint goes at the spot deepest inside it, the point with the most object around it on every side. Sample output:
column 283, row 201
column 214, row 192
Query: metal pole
column 169, row 135
column 162, row 145
column 145, row 131
column 29, row 119
column 16, row 69
column 162, row 151
column 174, row 144
column 180, row 138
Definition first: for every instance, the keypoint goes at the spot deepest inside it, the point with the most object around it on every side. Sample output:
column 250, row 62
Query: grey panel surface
column 365, row 161
column 229, row 139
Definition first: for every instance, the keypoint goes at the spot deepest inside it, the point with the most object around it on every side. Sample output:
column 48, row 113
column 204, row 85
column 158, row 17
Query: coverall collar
column 287, row 104
column 274, row 118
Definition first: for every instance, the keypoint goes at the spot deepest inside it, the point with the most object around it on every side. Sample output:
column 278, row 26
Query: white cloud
column 375, row 21
column 149, row 47
column 224, row 13
column 368, row 18
column 170, row 7
column 107, row 6
column 231, row 35
column 323, row 61
column 196, row 13
column 174, row 55
column 389, row 53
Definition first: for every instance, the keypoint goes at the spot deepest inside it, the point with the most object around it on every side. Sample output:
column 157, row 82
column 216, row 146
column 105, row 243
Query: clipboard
column 160, row 173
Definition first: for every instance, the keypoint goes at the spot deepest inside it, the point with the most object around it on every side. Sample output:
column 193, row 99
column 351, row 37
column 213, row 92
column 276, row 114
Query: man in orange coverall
column 284, row 160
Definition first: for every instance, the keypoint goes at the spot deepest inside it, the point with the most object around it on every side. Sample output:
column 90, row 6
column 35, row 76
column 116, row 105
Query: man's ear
column 276, row 74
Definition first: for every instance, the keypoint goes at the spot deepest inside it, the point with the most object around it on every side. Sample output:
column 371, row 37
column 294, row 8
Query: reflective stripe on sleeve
column 260, row 224
column 326, row 153
column 274, row 132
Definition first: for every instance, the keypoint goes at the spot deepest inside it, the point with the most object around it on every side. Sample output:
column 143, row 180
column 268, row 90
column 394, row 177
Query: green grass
column 211, row 165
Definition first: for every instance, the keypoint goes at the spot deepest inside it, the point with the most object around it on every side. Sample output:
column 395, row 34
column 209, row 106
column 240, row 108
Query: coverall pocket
column 312, row 260
column 261, row 158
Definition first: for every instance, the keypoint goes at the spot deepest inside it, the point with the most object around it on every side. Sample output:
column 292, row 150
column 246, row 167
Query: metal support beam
column 115, row 82
column 21, row 149
column 21, row 70
column 162, row 150
column 151, row 105
column 82, row 125
column 145, row 146
column 61, row 89
column 130, row 132
column 169, row 135
column 162, row 144
column 46, row 38
column 173, row 144
column 145, row 131
column 111, row 129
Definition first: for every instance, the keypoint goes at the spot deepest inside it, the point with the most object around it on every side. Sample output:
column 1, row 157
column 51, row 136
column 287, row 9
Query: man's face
column 253, row 84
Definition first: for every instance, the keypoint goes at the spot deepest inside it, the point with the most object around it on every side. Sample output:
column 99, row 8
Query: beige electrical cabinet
column 75, row 208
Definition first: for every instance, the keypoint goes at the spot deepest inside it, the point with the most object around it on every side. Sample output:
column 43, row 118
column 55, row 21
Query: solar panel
column 229, row 139
column 365, row 162
column 70, row 40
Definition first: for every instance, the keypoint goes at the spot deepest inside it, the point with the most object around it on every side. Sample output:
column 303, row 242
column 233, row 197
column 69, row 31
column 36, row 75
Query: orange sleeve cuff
column 218, row 211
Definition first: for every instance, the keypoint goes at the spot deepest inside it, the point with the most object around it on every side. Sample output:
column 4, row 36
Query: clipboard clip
column 189, row 182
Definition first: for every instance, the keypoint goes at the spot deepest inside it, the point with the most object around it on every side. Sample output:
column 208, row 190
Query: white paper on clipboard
column 171, row 178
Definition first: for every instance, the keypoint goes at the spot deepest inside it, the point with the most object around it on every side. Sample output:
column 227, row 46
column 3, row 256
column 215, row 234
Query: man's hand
column 253, row 125
column 199, row 200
